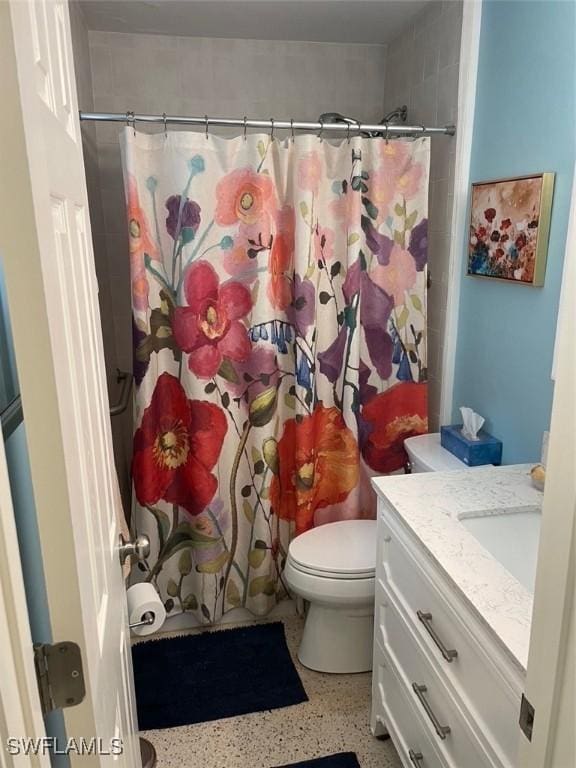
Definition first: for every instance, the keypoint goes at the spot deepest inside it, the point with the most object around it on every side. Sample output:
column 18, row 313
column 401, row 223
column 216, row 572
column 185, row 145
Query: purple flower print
column 375, row 308
column 188, row 218
column 139, row 366
column 256, row 374
column 367, row 391
column 332, row 359
column 418, row 245
column 301, row 312
column 380, row 245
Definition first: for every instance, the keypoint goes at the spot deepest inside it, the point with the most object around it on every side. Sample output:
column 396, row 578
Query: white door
column 52, row 293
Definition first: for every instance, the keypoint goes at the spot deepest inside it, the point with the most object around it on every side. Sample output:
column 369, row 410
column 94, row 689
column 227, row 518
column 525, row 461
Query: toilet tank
column 425, row 454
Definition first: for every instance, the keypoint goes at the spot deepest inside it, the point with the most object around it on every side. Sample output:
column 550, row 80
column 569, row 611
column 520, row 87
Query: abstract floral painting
column 509, row 227
column 279, row 325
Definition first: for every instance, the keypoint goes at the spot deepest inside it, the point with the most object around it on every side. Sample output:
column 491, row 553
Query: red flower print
column 499, row 252
column 175, row 447
column 318, row 465
column 209, row 328
column 490, row 214
column 281, row 260
column 504, row 238
column 244, row 196
column 505, row 224
column 481, row 232
column 520, row 241
column 495, row 236
column 390, row 418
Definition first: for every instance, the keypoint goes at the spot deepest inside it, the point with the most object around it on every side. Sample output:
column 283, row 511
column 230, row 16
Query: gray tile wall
column 422, row 72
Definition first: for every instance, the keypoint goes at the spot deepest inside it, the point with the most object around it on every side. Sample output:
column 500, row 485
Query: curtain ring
column 321, row 131
column 386, row 133
column 359, row 126
column 348, row 133
column 292, row 129
column 130, row 117
column 165, row 126
column 206, row 122
column 271, row 129
column 245, row 126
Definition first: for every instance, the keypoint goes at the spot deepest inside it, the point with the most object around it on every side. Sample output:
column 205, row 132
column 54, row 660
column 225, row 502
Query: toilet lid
column 346, row 549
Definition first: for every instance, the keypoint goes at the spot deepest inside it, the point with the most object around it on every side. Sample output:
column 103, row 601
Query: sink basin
column 512, row 538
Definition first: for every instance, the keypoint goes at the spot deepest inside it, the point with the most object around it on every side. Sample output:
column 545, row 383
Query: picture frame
column 510, row 227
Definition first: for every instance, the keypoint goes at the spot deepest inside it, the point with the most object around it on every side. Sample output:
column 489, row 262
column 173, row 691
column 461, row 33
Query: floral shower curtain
column 279, row 323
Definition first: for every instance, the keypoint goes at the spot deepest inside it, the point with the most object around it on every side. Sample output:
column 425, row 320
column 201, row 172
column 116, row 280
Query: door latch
column 60, row 675
column 526, row 718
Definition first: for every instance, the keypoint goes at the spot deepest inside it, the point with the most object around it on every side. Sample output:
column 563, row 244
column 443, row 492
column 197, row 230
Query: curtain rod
column 130, row 118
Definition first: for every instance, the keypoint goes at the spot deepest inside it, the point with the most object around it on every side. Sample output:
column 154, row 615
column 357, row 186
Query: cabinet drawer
column 400, row 718
column 424, row 686
column 476, row 676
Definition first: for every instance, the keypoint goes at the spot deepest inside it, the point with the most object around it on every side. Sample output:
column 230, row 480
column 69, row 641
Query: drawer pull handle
column 448, row 653
column 441, row 730
column 415, row 757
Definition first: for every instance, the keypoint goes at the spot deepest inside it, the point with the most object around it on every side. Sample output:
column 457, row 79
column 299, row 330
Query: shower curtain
column 279, row 324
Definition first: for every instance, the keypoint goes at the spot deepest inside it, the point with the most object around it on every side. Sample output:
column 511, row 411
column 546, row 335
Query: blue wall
column 524, row 122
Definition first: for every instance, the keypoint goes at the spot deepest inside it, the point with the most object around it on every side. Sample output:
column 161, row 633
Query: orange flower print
column 318, row 465
column 141, row 243
column 281, row 260
column 244, row 196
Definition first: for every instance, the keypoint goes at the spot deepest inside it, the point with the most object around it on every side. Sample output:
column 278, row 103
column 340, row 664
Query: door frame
column 551, row 654
column 20, row 709
column 467, row 77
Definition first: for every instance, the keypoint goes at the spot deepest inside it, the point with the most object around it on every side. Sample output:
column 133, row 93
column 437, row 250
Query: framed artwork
column 509, row 228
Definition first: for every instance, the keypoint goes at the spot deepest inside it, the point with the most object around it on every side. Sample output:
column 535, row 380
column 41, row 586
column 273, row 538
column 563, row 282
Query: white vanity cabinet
column 443, row 685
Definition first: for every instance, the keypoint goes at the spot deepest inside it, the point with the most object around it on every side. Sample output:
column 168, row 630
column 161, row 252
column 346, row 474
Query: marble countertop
column 432, row 504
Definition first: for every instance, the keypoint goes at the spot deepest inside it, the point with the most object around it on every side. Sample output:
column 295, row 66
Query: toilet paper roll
column 143, row 599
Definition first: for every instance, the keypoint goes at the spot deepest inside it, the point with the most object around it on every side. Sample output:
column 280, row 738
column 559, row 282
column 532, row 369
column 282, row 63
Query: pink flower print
column 408, row 182
column 210, row 327
column 398, row 276
column 310, row 172
column 244, row 196
column 324, row 238
column 395, row 157
column 347, row 210
column 238, row 264
column 382, row 190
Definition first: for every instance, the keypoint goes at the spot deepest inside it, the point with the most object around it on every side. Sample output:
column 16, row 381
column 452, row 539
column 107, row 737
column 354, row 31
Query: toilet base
column 338, row 640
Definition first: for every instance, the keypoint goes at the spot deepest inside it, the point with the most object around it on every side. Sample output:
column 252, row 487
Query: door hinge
column 526, row 718
column 60, row 675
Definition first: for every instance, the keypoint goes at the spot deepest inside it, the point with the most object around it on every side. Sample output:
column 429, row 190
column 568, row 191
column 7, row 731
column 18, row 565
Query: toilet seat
column 320, row 574
column 341, row 550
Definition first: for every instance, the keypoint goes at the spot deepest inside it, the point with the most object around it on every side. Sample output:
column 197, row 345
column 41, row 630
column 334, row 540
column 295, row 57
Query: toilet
column 426, row 454
column 332, row 567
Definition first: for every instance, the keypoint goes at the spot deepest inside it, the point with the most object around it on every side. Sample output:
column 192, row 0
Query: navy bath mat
column 341, row 760
column 196, row 678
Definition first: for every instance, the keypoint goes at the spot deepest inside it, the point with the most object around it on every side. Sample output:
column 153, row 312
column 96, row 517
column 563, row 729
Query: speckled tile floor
column 335, row 719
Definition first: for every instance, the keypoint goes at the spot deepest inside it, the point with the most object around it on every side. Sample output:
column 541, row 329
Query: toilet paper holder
column 138, row 548
column 147, row 618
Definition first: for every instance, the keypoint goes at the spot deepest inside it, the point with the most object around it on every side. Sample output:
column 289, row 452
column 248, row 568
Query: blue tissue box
column 485, row 450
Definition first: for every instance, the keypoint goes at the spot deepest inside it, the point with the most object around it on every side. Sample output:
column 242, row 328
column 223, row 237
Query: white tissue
column 472, row 423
